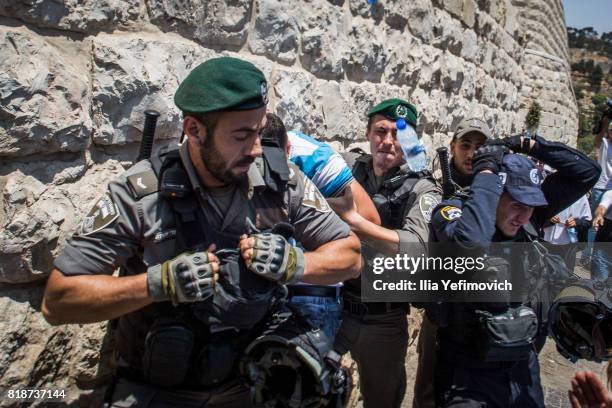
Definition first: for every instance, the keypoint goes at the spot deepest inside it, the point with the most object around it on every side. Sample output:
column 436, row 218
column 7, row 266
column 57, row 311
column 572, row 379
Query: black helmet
column 293, row 365
column 580, row 321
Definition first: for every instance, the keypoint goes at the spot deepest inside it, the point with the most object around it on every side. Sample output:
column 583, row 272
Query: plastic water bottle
column 573, row 235
column 414, row 151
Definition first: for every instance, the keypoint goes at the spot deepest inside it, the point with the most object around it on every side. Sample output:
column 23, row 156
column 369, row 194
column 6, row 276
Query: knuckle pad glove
column 513, row 143
column 186, row 278
column 489, row 157
column 275, row 259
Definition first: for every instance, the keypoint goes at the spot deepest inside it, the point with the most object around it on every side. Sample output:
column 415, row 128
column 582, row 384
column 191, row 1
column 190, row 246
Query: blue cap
column 522, row 180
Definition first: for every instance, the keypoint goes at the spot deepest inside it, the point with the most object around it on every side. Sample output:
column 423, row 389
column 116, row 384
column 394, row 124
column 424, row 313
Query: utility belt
column 315, row 290
column 360, row 309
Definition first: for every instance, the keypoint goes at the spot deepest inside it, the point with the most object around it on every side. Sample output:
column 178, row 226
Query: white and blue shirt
column 321, row 164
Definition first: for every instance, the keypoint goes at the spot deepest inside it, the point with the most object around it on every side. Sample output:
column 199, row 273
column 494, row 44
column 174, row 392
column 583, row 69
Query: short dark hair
column 208, row 119
column 274, row 133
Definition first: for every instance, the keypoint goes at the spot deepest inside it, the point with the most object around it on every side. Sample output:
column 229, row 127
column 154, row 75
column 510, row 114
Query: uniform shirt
column 415, row 225
column 557, row 233
column 321, row 164
column 123, row 228
column 604, row 158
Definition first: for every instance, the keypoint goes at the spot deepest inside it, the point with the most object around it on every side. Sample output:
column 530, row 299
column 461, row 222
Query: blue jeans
column 596, row 195
column 601, row 265
column 323, row 313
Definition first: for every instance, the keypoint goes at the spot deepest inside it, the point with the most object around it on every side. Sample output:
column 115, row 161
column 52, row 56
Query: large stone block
column 325, row 45
column 276, row 32
column 45, row 94
column 369, row 52
column 133, row 73
column 83, row 16
column 215, row 23
column 39, row 217
column 297, row 101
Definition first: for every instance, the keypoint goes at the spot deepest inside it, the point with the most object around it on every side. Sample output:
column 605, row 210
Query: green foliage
column 589, row 39
column 532, row 120
column 599, row 99
column 596, row 77
column 587, row 145
column 579, row 93
column 584, row 125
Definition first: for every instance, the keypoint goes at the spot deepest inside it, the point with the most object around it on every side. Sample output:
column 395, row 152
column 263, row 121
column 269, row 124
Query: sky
column 589, row 13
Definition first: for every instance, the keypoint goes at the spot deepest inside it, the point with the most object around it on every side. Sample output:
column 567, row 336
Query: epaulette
column 143, row 183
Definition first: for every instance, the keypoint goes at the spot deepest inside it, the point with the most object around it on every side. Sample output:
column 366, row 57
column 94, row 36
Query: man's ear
column 194, row 130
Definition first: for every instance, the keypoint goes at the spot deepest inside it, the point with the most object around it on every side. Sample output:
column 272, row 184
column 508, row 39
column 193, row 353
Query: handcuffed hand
column 190, row 277
column 272, row 257
column 489, row 157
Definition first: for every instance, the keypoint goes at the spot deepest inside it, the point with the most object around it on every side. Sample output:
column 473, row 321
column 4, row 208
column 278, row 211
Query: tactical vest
column 506, row 330
column 395, row 197
column 196, row 345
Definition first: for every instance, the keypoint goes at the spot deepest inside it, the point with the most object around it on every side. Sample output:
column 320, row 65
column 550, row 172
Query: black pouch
column 167, row 353
column 507, row 336
column 218, row 361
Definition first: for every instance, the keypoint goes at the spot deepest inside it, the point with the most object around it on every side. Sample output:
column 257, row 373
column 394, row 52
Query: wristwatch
column 526, row 145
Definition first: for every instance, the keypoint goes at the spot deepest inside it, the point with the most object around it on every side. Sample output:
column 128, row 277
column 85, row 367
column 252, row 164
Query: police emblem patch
column 401, row 111
column 103, row 213
column 313, row 197
column 534, row 175
column 427, row 203
column 264, row 92
column 450, row 213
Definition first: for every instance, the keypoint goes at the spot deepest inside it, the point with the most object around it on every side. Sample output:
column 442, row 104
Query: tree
column 596, row 77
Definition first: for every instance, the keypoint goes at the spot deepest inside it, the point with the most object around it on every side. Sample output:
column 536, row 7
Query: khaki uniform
column 378, row 336
column 133, row 227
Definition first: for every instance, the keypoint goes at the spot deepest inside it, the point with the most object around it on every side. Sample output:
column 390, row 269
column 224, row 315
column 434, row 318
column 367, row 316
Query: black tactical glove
column 518, row 145
column 276, row 260
column 186, row 278
column 489, row 157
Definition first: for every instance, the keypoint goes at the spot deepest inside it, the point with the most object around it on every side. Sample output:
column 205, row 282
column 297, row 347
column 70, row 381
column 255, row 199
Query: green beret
column 395, row 109
column 224, row 83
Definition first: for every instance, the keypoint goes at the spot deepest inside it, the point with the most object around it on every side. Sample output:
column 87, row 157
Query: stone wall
column 76, row 76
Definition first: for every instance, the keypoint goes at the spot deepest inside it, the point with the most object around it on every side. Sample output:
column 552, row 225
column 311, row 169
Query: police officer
column 506, row 204
column 376, row 334
column 469, row 135
column 187, row 299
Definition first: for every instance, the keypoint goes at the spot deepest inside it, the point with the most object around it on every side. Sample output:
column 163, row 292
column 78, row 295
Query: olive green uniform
column 377, row 334
column 133, row 227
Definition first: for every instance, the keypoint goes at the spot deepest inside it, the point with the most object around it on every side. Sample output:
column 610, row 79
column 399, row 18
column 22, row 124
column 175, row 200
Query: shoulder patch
column 427, row 203
column 143, row 183
column 103, row 213
column 450, row 212
column 313, row 197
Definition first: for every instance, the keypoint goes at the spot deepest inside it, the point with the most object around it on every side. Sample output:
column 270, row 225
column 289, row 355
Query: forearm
column 363, row 203
column 383, row 239
column 600, row 211
column 333, row 262
column 92, row 298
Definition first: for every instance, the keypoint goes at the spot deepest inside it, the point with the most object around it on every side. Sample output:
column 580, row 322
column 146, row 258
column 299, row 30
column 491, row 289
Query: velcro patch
column 103, row 213
column 450, row 212
column 427, row 203
column 313, row 197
